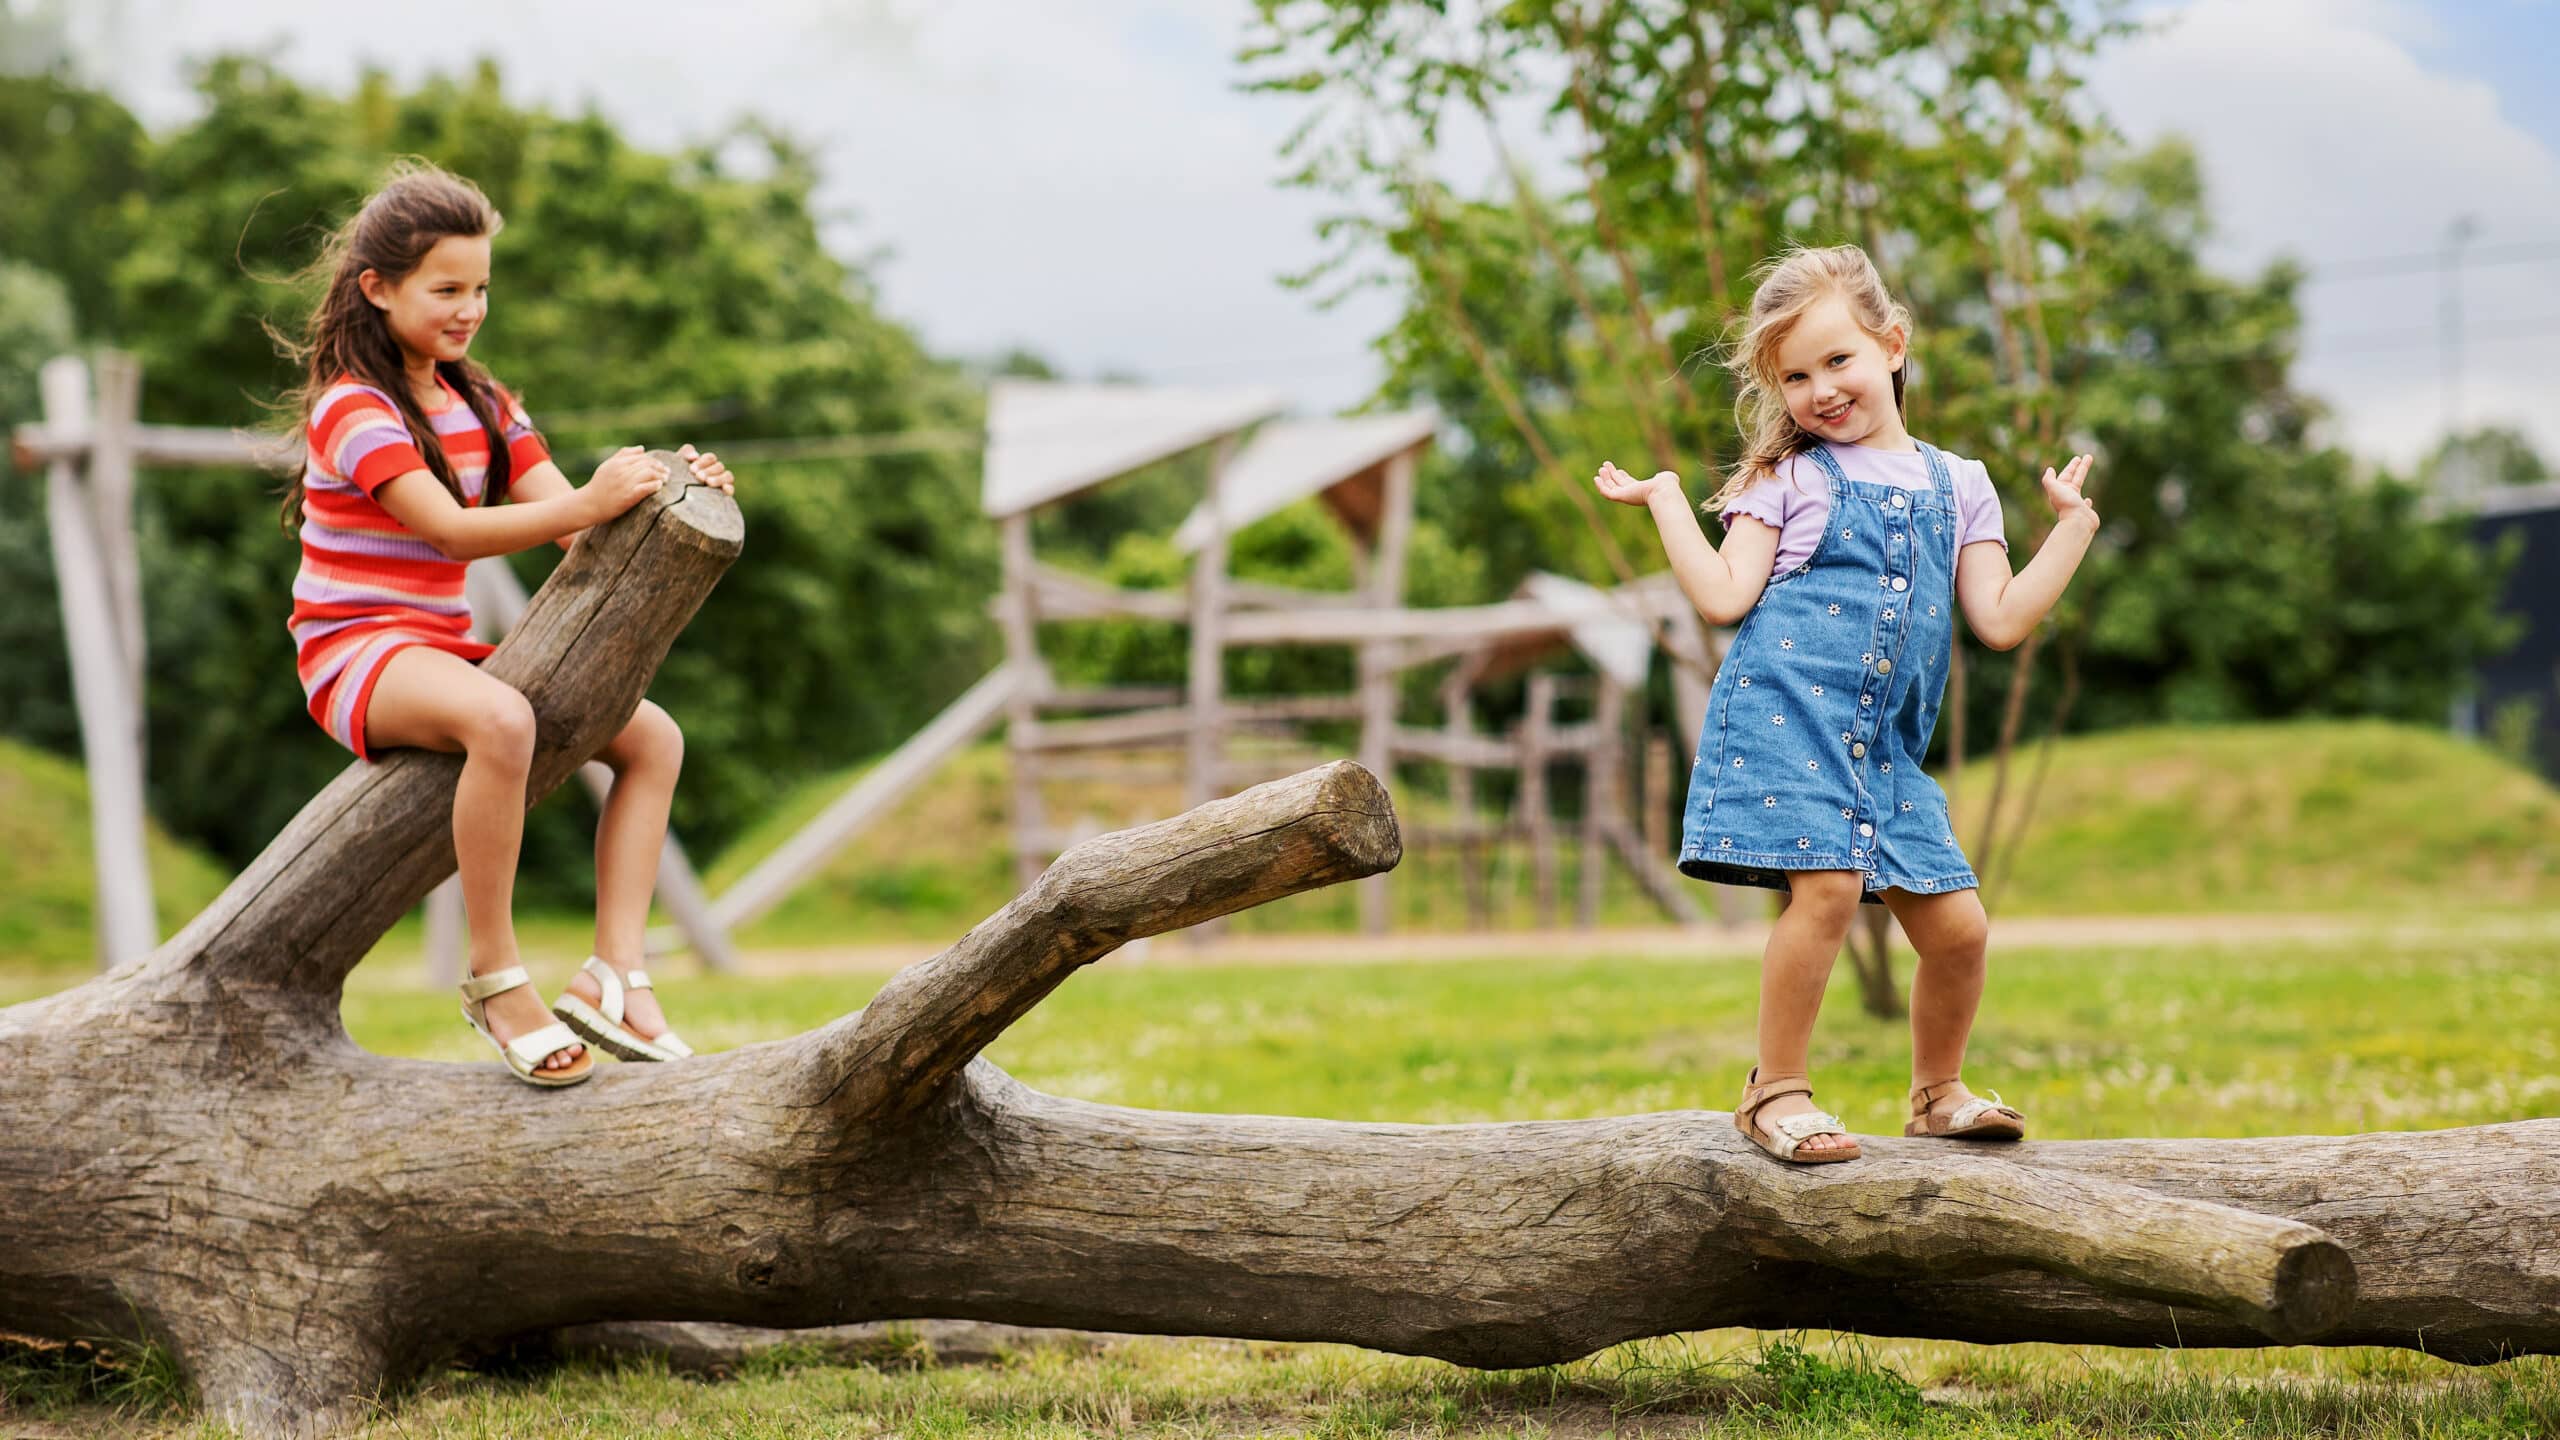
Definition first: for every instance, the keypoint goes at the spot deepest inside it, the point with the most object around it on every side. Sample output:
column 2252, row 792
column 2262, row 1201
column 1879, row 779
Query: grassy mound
column 44, row 831
column 2318, row 815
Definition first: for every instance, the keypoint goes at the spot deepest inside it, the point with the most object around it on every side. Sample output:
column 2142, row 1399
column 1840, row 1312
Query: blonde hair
column 1790, row 285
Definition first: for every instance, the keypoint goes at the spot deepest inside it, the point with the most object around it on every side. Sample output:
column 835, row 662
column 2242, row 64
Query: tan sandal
column 601, row 1024
column 1975, row 1119
column 525, row 1053
column 1790, row 1132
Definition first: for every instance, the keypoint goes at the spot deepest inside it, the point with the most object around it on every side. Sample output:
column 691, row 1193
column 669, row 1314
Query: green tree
column 1651, row 153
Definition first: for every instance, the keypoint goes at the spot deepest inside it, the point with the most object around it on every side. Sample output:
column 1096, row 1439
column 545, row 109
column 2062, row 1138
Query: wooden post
column 1456, row 708
column 1603, row 796
column 446, row 931
column 1207, row 687
column 110, row 488
column 102, row 682
column 1535, row 727
column 1020, row 618
column 1656, row 821
column 1385, row 590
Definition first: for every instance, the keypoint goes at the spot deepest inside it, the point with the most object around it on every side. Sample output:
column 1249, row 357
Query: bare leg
column 1952, row 935
column 645, row 758
column 429, row 700
column 1793, row 971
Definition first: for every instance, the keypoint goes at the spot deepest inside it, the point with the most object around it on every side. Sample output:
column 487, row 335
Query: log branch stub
column 1315, row 828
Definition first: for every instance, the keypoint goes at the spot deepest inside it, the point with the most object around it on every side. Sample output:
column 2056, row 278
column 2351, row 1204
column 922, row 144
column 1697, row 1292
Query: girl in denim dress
column 1849, row 548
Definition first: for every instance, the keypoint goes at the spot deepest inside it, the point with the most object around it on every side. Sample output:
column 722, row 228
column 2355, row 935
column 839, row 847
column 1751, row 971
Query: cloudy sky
column 1083, row 179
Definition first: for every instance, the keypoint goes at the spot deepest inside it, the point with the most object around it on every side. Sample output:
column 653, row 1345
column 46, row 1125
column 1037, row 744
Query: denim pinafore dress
column 1821, row 713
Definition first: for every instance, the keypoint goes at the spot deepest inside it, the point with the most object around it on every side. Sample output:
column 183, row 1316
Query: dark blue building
column 2526, row 679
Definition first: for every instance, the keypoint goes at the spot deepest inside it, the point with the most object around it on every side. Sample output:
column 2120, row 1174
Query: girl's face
column 1838, row 379
column 435, row 309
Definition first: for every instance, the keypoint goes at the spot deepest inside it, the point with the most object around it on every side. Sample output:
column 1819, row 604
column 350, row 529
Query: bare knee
column 499, row 727
column 651, row 744
column 1827, row 899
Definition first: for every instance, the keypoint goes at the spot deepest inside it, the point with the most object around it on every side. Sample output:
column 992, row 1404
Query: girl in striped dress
column 412, row 448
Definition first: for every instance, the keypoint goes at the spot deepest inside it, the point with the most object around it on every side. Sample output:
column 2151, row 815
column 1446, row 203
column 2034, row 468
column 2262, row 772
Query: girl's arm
column 1723, row 584
column 544, row 482
column 418, row 500
column 2003, row 609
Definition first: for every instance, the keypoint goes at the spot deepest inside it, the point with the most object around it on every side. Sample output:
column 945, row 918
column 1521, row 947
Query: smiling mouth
column 1834, row 417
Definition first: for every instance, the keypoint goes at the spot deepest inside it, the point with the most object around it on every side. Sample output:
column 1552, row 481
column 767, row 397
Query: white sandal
column 525, row 1053
column 601, row 1024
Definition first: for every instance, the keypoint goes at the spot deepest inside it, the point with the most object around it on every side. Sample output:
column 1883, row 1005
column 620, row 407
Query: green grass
column 2308, row 1036
column 44, row 835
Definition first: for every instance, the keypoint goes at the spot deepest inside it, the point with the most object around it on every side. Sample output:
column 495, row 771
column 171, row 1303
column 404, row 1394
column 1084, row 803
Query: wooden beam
column 1065, row 595
column 867, row 799
column 175, row 445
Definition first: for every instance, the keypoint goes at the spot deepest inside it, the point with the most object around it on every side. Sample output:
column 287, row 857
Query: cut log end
column 2315, row 1286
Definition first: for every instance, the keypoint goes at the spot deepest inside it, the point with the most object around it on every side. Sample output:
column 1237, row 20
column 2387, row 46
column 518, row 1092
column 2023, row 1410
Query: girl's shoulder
column 1971, row 476
column 347, row 398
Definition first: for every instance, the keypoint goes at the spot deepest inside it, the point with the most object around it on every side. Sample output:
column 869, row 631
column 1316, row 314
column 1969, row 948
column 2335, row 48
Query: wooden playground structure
column 1047, row 443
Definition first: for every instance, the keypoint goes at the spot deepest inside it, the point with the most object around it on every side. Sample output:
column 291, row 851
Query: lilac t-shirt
column 1797, row 500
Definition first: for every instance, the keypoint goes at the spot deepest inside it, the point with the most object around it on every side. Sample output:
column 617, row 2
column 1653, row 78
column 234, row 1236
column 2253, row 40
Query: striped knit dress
column 369, row 587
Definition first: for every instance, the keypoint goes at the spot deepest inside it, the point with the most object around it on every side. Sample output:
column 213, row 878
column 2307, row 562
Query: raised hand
column 707, row 468
column 2063, row 490
column 1626, row 489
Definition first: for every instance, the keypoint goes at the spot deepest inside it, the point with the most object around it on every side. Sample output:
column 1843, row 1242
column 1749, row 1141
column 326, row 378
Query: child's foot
column 1946, row 1110
column 520, row 1011
column 1780, row 1117
column 640, row 1013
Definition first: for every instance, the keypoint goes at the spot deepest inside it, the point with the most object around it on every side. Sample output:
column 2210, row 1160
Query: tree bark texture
column 193, row 1151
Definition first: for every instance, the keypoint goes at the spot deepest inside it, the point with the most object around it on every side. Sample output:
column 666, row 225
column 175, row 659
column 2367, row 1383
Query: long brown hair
column 1792, row 284
column 346, row 336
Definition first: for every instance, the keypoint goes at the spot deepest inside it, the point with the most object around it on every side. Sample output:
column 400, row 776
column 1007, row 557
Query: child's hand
column 2064, row 491
column 707, row 468
column 626, row 478
column 1626, row 489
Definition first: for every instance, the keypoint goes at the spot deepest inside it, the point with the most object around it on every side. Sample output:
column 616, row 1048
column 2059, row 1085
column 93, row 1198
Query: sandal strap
column 535, row 1046
column 1924, row 1096
column 1800, row 1128
column 1754, row 1096
column 496, row 982
column 638, row 980
column 609, row 998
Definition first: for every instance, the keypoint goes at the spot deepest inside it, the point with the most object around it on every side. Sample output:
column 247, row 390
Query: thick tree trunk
column 192, row 1150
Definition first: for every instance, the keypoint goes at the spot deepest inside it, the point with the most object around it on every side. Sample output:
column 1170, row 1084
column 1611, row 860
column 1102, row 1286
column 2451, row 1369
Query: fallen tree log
column 193, row 1151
